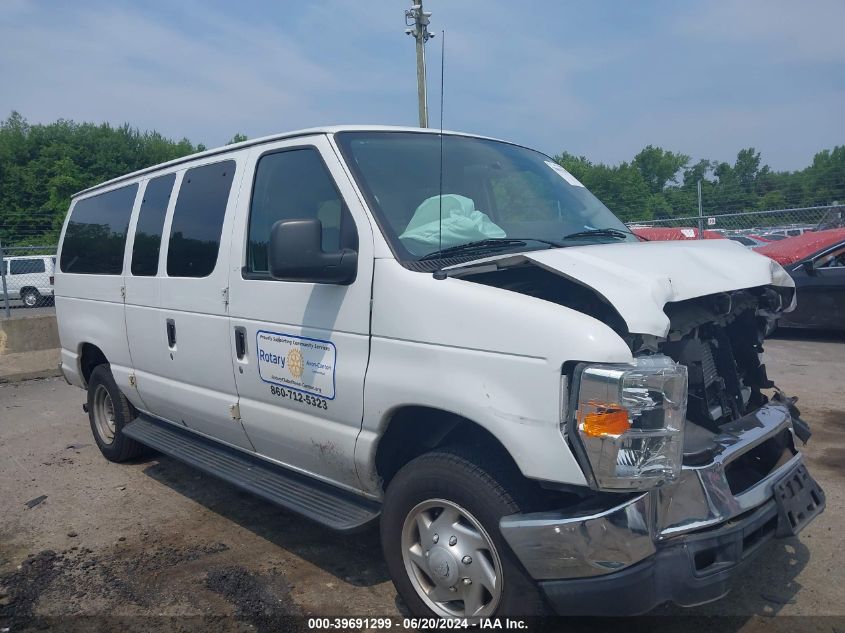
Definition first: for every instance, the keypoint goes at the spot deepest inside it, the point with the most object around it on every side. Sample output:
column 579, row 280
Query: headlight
column 629, row 420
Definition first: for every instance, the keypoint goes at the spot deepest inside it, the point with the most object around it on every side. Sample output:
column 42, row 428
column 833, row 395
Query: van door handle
column 171, row 334
column 240, row 342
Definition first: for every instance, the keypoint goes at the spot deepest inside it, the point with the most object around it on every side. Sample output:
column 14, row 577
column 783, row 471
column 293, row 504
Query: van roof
column 330, row 129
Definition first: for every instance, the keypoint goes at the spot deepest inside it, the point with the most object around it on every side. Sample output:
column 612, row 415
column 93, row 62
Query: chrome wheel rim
column 451, row 561
column 30, row 299
column 103, row 410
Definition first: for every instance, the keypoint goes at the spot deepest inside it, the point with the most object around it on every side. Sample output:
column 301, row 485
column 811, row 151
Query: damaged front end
column 719, row 339
column 739, row 482
column 690, row 449
column 740, row 432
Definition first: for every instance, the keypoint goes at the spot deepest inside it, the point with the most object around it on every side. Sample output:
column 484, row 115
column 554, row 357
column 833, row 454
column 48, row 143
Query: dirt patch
column 263, row 602
column 77, row 578
column 827, row 445
column 831, row 421
column 833, row 458
column 118, row 573
column 21, row 589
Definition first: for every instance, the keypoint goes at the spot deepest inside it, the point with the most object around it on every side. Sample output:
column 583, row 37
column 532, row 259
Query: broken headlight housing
column 628, row 421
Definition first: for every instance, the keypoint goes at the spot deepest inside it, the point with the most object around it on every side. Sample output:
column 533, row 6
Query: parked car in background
column 29, row 279
column 759, row 237
column 671, row 234
column 791, row 231
column 816, row 262
column 747, row 240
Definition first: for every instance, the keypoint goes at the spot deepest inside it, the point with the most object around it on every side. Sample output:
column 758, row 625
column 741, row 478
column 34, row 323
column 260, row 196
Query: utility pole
column 700, row 214
column 417, row 22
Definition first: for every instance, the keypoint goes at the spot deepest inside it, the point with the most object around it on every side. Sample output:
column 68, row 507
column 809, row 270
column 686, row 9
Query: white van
column 451, row 335
column 30, row 279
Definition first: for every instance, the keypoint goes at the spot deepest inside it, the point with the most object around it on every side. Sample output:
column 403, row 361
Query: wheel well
column 415, row 430
column 25, row 288
column 89, row 357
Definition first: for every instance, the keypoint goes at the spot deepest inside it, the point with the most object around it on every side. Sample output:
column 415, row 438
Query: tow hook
column 799, row 427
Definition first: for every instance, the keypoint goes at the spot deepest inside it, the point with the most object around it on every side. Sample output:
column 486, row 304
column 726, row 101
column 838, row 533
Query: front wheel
column 441, row 540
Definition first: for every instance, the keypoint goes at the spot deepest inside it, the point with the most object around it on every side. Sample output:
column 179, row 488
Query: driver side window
column 290, row 185
column 833, row 259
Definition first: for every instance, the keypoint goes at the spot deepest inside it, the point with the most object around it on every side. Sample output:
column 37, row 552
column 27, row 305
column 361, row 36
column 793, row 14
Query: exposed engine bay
column 720, row 340
column 718, row 337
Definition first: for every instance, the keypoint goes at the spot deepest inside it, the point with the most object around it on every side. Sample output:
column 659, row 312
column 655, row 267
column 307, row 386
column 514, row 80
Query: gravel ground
column 162, row 547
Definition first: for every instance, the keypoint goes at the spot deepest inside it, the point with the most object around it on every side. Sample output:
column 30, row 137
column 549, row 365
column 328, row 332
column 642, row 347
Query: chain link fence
column 27, row 275
column 750, row 227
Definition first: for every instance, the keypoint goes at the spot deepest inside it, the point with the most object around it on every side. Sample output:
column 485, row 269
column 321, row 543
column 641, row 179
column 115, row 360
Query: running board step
column 313, row 499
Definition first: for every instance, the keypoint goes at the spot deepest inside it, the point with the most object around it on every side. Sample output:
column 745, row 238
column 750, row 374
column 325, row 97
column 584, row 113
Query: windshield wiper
column 488, row 244
column 615, row 233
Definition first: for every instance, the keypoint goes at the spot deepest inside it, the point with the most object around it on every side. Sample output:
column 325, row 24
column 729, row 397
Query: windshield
column 493, row 193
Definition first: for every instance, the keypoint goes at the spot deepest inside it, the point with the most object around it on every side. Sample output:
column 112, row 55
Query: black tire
column 120, row 448
column 488, row 491
column 31, row 298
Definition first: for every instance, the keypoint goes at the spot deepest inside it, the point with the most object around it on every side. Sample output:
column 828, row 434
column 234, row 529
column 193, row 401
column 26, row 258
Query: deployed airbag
column 461, row 222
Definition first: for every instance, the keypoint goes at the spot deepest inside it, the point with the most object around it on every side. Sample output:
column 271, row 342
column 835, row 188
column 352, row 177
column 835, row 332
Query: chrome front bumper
column 594, row 539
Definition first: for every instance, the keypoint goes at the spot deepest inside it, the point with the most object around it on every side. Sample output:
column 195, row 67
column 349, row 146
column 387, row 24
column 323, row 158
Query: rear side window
column 96, row 233
column 26, row 266
column 291, row 185
column 150, row 224
column 198, row 220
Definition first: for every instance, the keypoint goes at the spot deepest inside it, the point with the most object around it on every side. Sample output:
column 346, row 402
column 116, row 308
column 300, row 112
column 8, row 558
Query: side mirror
column 295, row 253
column 809, row 267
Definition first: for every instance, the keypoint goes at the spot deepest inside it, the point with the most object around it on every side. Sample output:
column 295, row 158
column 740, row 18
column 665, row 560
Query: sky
column 601, row 79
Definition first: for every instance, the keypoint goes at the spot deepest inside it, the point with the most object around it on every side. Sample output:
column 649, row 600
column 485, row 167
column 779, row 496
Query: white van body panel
column 193, row 382
column 483, row 353
column 297, row 434
column 99, row 323
column 143, row 322
column 143, row 296
column 89, row 309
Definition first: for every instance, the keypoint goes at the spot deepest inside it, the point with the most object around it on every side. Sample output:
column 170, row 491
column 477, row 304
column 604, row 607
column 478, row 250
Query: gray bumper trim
column 702, row 497
column 553, row 545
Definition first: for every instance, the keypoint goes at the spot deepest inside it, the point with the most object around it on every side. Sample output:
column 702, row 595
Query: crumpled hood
column 639, row 279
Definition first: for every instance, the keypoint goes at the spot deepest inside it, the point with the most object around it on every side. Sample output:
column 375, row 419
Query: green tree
column 659, row 166
column 42, row 165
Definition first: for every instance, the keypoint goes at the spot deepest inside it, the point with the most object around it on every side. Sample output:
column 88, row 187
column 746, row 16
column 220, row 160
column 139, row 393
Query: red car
column 668, row 234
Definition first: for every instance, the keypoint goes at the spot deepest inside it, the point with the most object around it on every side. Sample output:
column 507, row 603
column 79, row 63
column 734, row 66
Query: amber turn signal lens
column 606, row 420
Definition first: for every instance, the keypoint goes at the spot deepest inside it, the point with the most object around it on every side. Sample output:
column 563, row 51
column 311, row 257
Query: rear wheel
column 108, row 412
column 31, row 298
column 441, row 539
